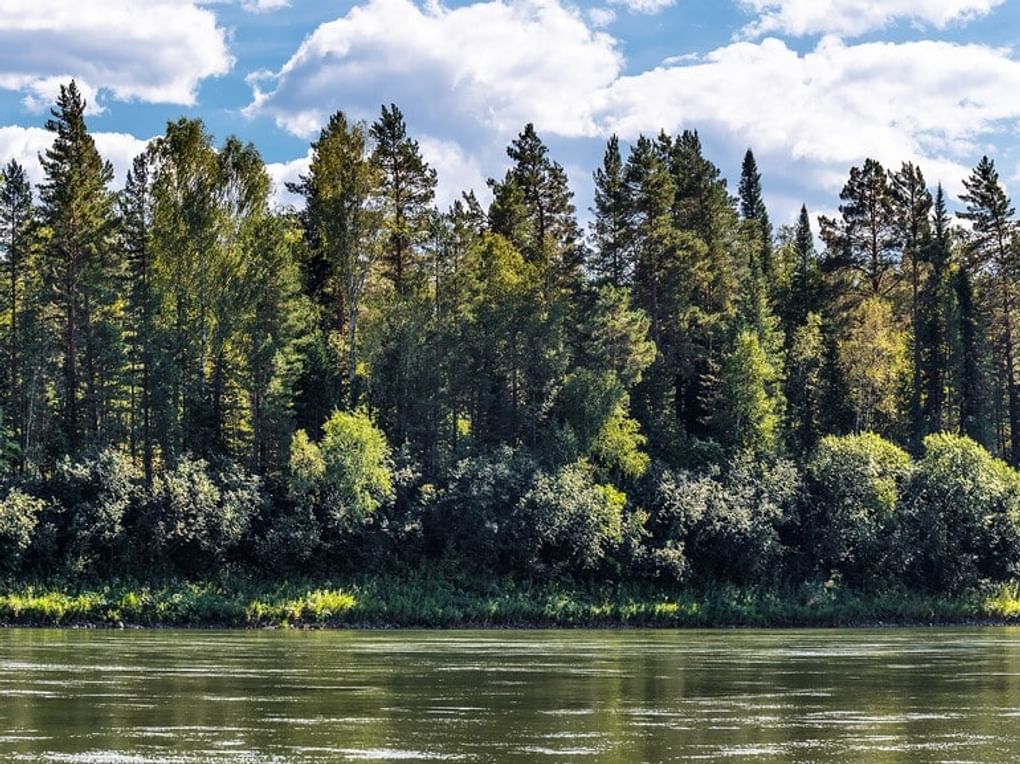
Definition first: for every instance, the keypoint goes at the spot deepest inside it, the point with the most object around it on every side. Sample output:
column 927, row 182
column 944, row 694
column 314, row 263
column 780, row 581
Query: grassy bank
column 440, row 603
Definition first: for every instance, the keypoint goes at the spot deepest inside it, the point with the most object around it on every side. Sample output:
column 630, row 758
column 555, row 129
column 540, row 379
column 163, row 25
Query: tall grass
column 439, row 602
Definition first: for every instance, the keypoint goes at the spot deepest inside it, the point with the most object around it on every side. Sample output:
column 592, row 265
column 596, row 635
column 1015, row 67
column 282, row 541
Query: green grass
column 438, row 602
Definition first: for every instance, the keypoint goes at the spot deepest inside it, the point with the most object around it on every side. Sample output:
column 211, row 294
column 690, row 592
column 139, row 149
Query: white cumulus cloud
column 934, row 102
column 149, row 50
column 856, row 17
column 24, row 144
column 489, row 64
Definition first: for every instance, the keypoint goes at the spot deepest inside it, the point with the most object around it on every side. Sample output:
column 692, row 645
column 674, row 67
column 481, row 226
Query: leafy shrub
column 962, row 516
column 472, row 517
column 568, row 522
column 19, row 514
column 722, row 527
column 853, row 485
column 96, row 494
column 199, row 520
column 348, row 475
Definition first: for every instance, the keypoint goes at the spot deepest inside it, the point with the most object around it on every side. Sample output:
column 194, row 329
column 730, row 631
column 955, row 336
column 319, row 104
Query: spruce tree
column 754, row 212
column 932, row 331
column 78, row 209
column 913, row 204
column 136, row 228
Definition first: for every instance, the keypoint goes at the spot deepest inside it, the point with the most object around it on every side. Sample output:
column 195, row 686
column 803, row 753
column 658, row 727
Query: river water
column 621, row 696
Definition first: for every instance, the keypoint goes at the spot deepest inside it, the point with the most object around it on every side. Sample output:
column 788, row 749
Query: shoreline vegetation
column 375, row 603
column 487, row 415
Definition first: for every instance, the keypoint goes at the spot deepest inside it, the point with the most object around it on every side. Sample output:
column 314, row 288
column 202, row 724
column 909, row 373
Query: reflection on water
column 875, row 696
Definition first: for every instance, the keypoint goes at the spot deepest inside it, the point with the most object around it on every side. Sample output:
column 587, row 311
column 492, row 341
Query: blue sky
column 813, row 86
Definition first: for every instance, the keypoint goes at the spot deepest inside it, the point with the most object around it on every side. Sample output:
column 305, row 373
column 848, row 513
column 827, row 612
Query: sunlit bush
column 19, row 514
column 962, row 516
column 854, row 483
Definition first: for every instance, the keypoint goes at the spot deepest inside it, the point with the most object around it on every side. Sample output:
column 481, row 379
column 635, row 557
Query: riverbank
column 441, row 603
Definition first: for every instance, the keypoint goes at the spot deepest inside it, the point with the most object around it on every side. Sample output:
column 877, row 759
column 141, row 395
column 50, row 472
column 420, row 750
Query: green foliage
column 471, row 519
column 962, row 520
column 348, row 475
column 723, row 526
column 19, row 515
column 199, row 518
column 96, row 495
column 853, row 488
column 748, row 408
column 568, row 522
column 163, row 345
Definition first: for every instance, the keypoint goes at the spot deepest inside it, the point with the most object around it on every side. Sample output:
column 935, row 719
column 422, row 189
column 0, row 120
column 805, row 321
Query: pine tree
column 17, row 216
column 533, row 207
column 866, row 241
column 407, row 189
column 912, row 204
column 136, row 228
column 610, row 261
column 78, row 210
column 991, row 244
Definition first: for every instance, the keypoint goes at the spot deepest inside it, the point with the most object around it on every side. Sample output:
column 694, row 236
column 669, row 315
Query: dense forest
column 196, row 381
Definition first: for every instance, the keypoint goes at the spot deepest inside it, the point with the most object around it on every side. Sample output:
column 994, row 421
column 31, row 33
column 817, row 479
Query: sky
column 813, row 86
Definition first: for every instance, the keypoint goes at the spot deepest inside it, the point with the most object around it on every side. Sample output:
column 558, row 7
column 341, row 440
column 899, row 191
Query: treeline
column 194, row 380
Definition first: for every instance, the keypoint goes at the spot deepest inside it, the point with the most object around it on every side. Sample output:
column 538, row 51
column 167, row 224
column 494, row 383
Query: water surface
column 821, row 696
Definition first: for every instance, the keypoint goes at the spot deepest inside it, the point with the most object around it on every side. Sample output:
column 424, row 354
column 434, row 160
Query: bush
column 722, row 527
column 96, row 494
column 471, row 518
column 568, row 522
column 19, row 514
column 853, row 486
column 962, row 516
column 198, row 520
column 348, row 475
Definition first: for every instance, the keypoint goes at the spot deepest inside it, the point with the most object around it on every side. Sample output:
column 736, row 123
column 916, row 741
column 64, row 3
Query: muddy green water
column 790, row 696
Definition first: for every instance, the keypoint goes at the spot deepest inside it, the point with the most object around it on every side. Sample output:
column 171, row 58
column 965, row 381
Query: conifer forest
column 667, row 390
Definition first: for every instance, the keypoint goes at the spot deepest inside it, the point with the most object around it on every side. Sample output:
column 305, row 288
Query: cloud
column 601, row 17
column 935, row 102
column 494, row 65
column 472, row 76
column 649, row 7
column 458, row 171
column 264, row 6
column 855, row 17
column 24, row 144
column 149, row 50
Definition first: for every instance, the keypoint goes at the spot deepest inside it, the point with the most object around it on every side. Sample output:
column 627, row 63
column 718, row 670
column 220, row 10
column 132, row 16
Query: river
column 935, row 695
